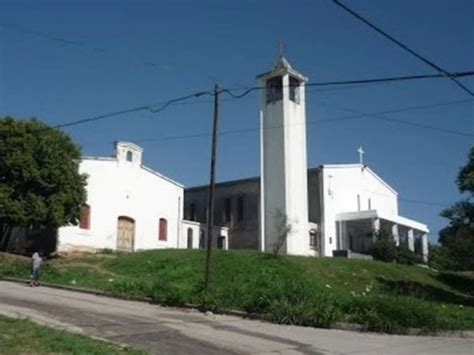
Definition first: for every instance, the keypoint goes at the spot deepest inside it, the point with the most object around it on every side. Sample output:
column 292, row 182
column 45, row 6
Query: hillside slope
column 284, row 289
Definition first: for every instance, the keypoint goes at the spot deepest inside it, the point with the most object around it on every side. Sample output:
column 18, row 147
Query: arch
column 163, row 230
column 85, row 222
column 190, row 238
column 125, row 233
column 129, row 156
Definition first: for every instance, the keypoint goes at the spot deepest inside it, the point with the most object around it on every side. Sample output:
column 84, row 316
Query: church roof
column 282, row 67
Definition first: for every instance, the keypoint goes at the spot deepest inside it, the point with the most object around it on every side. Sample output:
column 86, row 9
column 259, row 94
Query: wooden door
column 125, row 233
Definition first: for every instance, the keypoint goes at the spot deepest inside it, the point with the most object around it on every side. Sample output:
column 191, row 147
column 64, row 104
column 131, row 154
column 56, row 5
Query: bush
column 384, row 248
column 407, row 257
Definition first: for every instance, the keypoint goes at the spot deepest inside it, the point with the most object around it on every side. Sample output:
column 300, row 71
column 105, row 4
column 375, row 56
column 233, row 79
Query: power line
column 358, row 115
column 135, row 109
column 166, row 104
column 354, row 82
column 406, row 48
column 66, row 42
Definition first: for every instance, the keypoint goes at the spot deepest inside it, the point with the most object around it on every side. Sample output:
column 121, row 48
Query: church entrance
column 125, row 233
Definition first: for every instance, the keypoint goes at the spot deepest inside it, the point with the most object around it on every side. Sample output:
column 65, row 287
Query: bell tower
column 283, row 179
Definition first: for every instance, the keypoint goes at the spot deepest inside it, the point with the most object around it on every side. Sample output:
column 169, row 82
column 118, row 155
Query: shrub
column 408, row 257
column 384, row 248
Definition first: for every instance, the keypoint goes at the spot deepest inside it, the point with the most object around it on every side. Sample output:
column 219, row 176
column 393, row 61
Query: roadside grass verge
column 25, row 337
column 308, row 291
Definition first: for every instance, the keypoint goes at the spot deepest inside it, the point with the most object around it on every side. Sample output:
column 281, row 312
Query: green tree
column 458, row 237
column 40, row 184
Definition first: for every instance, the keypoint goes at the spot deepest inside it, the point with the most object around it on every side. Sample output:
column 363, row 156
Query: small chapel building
column 325, row 211
column 132, row 207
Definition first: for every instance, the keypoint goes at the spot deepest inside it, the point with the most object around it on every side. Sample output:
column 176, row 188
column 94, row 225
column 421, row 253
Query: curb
column 353, row 327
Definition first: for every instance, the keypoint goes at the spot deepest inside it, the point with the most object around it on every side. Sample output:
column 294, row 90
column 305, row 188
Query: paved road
column 172, row 331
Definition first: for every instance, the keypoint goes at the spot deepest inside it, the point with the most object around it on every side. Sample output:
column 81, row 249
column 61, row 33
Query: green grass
column 308, row 291
column 25, row 337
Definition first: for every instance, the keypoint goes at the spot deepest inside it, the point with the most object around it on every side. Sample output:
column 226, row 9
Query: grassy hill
column 284, row 289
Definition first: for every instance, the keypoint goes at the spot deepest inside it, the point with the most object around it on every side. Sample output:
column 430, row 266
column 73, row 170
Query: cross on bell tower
column 281, row 47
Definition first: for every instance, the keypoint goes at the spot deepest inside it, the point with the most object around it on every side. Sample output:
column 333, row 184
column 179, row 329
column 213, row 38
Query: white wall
column 340, row 187
column 116, row 188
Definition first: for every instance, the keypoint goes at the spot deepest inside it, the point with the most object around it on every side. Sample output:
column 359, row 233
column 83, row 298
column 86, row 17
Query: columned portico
column 396, row 236
column 357, row 229
column 411, row 239
column 424, row 247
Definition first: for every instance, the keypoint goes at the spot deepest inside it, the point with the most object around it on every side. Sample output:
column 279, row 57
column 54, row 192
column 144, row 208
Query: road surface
column 162, row 330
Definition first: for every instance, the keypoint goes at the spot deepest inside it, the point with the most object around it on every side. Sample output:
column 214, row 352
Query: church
column 330, row 210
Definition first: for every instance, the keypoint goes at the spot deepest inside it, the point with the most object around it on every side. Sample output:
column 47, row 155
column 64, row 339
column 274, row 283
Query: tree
column 283, row 229
column 40, row 184
column 458, row 237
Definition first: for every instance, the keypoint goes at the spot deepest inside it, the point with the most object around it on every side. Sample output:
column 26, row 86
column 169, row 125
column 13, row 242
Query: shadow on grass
column 425, row 292
column 459, row 282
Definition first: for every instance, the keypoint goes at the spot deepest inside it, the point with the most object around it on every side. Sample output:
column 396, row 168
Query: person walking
column 36, row 261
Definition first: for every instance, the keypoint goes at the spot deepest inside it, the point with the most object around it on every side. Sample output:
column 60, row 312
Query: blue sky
column 131, row 53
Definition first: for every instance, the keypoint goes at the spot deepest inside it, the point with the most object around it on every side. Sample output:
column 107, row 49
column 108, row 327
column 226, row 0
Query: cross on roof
column 361, row 155
column 281, row 47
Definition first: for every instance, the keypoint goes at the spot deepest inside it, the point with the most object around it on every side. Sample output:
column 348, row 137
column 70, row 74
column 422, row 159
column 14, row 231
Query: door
column 190, row 238
column 125, row 233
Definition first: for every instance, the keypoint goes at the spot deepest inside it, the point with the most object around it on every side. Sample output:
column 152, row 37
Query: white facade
column 284, row 194
column 121, row 187
column 353, row 192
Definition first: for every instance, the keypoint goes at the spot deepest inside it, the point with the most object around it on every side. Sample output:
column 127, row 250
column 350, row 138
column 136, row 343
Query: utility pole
column 210, row 196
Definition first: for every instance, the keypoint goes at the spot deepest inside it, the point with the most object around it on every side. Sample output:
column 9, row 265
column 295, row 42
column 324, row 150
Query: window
column 85, row 222
column 294, row 90
column 190, row 238
column 274, row 89
column 240, row 208
column 192, row 212
column 358, row 202
column 129, row 156
column 163, row 230
column 227, row 210
column 370, row 204
column 314, row 239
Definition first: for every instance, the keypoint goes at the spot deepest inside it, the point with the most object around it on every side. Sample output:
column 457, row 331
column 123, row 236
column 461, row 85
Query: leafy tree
column 458, row 237
column 384, row 247
column 40, row 185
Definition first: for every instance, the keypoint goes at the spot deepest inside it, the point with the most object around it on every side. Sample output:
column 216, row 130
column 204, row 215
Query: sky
column 62, row 61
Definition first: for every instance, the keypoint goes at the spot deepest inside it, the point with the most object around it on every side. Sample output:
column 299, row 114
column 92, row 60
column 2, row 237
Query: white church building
column 132, row 207
column 326, row 211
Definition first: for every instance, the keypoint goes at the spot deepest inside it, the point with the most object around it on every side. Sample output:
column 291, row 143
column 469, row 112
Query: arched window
column 190, row 238
column 294, row 90
column 274, row 89
column 163, row 230
column 85, row 222
column 202, row 240
column 129, row 156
